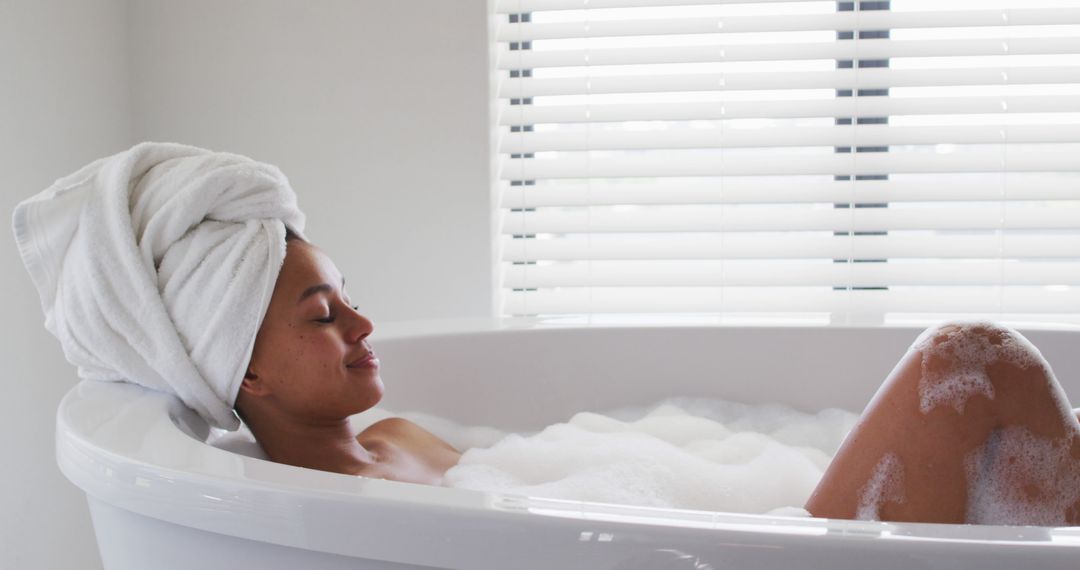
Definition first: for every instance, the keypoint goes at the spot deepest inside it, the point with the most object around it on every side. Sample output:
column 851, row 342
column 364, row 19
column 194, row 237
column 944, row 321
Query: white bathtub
column 162, row 498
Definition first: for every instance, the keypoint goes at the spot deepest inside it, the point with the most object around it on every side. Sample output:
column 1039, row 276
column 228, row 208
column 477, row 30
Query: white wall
column 63, row 103
column 383, row 133
column 376, row 111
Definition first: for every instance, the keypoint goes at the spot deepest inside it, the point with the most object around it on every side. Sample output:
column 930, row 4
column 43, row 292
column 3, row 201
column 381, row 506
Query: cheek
column 315, row 353
column 302, row 359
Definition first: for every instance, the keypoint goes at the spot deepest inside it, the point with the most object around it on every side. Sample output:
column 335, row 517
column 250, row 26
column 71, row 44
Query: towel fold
column 156, row 266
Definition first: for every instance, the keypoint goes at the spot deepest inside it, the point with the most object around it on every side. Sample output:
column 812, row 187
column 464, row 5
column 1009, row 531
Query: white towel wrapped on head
column 157, row 264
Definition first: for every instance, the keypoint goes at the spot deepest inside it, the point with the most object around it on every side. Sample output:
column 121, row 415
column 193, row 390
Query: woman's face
column 308, row 339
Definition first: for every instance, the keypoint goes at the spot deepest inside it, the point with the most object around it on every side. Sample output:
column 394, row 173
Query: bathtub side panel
column 130, row 541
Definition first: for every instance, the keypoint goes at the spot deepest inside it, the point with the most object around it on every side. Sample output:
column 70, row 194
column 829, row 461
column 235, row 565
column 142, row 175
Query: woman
column 932, row 426
column 186, row 271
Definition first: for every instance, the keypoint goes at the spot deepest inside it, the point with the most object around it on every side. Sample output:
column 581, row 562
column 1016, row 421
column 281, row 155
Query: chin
column 376, row 394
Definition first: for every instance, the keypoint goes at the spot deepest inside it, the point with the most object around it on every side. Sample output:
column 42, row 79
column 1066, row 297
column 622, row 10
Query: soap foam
column 886, row 484
column 967, row 351
column 1018, row 478
column 683, row 453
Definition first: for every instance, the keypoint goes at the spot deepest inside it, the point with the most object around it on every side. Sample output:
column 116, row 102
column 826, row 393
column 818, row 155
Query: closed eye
column 330, row 318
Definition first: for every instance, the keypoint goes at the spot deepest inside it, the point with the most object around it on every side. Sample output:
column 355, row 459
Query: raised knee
column 962, row 359
column 977, row 344
column 970, row 331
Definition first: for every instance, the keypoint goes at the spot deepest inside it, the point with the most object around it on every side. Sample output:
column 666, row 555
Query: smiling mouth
column 365, row 361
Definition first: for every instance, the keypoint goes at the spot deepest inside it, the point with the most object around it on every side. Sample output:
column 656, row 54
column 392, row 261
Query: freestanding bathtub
column 162, row 498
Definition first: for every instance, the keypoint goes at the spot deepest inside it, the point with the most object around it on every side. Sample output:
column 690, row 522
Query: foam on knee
column 963, row 351
column 886, row 484
column 1018, row 478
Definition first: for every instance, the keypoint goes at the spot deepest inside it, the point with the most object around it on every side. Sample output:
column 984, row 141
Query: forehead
column 307, row 265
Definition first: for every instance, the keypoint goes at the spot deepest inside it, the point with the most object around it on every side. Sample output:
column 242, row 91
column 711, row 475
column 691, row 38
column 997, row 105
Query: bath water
column 690, row 453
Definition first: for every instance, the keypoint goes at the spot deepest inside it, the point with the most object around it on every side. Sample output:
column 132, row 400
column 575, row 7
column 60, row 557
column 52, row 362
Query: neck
column 323, row 445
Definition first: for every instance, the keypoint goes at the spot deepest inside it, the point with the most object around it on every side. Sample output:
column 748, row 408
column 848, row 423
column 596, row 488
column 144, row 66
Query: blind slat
column 523, row 6
column 673, row 163
column 837, row 135
column 873, row 78
column 836, row 21
column 792, row 108
column 794, row 218
column 863, row 49
column 790, row 245
column 1015, row 186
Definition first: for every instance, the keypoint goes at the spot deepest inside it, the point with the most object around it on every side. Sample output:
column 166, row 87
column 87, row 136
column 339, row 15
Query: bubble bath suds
column 968, row 350
column 886, row 484
column 1019, row 478
column 682, row 453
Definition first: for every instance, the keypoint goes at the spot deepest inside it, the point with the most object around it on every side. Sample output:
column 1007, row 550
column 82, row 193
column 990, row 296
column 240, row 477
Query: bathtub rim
column 266, row 497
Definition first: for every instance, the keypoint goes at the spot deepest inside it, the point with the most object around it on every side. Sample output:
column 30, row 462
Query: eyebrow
column 320, row 288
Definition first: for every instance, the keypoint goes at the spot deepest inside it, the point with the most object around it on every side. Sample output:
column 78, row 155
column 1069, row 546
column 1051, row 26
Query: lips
column 362, row 361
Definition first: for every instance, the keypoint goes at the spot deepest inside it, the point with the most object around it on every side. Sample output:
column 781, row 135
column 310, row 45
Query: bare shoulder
column 404, row 432
column 392, row 424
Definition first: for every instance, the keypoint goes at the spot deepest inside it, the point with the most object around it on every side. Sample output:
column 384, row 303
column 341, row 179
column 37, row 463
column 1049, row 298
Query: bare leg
column 937, row 415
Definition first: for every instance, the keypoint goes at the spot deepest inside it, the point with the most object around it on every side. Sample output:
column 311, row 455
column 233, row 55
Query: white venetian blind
column 802, row 161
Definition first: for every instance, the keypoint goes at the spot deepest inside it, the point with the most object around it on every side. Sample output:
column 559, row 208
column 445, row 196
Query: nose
column 359, row 326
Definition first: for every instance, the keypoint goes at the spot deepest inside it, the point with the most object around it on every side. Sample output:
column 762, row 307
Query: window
column 862, row 163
